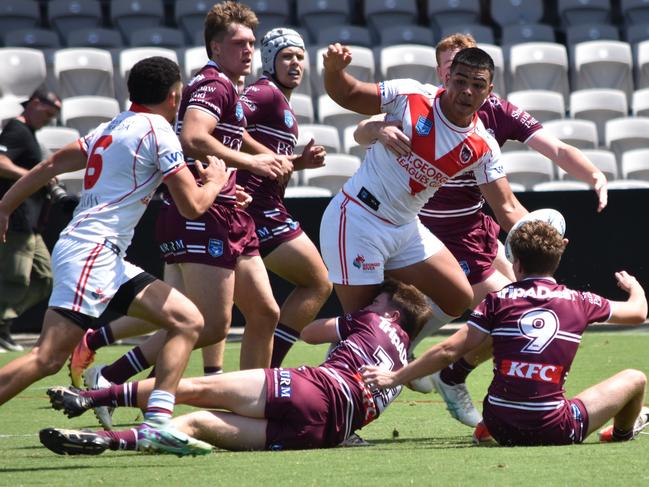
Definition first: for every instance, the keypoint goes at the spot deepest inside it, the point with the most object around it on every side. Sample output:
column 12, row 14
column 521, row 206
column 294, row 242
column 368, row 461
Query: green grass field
column 414, row 443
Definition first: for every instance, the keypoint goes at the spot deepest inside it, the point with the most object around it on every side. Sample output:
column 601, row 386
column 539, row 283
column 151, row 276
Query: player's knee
column 635, row 377
column 323, row 289
column 50, row 363
column 461, row 301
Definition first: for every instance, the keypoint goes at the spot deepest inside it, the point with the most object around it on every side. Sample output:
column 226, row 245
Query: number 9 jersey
column 128, row 158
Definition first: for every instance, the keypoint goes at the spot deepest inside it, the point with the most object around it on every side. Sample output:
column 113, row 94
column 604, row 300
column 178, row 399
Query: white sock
column 438, row 320
column 160, row 406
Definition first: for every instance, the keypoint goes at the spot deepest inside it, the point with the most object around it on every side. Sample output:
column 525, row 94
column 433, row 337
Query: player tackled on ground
column 535, row 326
column 295, row 408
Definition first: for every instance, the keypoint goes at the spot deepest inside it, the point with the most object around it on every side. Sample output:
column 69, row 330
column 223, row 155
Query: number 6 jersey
column 536, row 327
column 128, row 158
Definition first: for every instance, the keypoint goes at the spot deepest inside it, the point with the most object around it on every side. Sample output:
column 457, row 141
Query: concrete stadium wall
column 600, row 243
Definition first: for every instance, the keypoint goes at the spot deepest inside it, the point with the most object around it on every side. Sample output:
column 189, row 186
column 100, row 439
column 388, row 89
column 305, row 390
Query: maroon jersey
column 461, row 196
column 212, row 92
column 271, row 121
column 536, row 327
column 366, row 339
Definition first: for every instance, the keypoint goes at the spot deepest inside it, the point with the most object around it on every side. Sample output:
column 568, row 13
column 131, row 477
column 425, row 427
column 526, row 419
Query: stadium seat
column 628, row 184
column 319, row 14
column 379, row 13
column 406, row 34
column 361, row 66
column 517, row 187
column 33, row 38
column 527, row 168
column 543, row 105
column 519, row 33
column 337, row 170
column 409, row 61
column 131, row 15
column 513, row 146
column 94, row 37
column 578, row 133
column 584, row 12
column 18, row 14
column 481, row 33
column 307, row 192
column 73, row 181
column 604, row 160
column 68, row 15
column 351, row 35
column 84, row 113
column 128, row 57
column 330, row 113
column 642, row 65
column 599, row 106
column 323, row 135
column 628, row 133
column 82, row 72
column 302, row 107
column 603, row 64
column 515, row 12
column 190, row 16
column 454, row 13
column 539, row 66
column 561, row 186
column 158, row 37
column 350, row 146
column 496, row 54
column 635, row 12
column 640, row 103
column 52, row 139
column 23, row 70
column 635, row 164
column 194, row 58
column 271, row 13
column 10, row 107
column 584, row 33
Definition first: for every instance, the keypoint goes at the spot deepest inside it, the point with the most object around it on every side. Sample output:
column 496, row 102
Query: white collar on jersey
column 545, row 278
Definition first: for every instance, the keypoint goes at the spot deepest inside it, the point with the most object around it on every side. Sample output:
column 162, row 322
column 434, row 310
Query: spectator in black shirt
column 26, row 276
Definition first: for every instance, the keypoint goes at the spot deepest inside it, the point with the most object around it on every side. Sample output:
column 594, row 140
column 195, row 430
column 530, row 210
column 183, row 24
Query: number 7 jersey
column 128, row 158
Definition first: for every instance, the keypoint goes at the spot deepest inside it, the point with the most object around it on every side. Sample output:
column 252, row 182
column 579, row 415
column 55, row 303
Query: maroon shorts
column 472, row 239
column 297, row 410
column 274, row 226
column 217, row 238
column 510, row 427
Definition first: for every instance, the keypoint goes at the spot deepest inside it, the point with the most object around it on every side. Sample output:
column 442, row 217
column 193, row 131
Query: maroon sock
column 100, row 338
column 114, row 396
column 283, row 340
column 121, row 440
column 125, row 367
column 456, row 373
column 622, row 435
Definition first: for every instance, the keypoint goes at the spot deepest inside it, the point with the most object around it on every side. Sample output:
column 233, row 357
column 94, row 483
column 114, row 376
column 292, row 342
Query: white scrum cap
column 274, row 41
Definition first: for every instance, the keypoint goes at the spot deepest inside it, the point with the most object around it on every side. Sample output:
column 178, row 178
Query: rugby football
column 549, row 215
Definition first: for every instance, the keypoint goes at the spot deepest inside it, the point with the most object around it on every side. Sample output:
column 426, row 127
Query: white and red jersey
column 128, row 158
column 400, row 186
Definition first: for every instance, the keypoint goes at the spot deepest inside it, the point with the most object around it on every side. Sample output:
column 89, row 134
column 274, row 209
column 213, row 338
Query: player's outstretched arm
column 320, row 331
column 67, row 159
column 343, row 88
column 387, row 133
column 434, row 359
column 633, row 311
column 193, row 200
column 312, row 156
column 504, row 203
column 573, row 161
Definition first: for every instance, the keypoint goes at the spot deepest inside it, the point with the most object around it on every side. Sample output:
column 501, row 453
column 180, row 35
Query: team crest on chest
column 423, row 126
column 215, row 247
column 288, row 118
column 238, row 111
column 465, row 154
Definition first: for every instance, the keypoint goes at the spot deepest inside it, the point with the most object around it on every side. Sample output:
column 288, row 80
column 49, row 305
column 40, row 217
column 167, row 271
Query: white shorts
column 87, row 275
column 358, row 247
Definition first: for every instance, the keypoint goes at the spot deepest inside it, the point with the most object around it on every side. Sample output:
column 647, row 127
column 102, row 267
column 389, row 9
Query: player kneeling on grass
column 296, row 408
column 535, row 326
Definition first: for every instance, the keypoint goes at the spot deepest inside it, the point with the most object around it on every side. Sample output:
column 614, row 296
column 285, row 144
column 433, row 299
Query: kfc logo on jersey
column 532, row 371
column 423, row 126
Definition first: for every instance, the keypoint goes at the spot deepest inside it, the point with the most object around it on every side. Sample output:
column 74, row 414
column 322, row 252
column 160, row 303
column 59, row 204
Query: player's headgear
column 274, row 41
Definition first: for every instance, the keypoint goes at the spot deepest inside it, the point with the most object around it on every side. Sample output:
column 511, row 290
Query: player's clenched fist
column 337, row 57
column 214, row 171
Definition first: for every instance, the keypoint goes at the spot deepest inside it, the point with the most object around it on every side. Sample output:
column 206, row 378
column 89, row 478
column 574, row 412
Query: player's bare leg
column 224, row 430
column 213, row 356
column 503, row 265
column 298, row 262
column 619, row 397
column 57, row 340
column 355, row 297
column 254, row 298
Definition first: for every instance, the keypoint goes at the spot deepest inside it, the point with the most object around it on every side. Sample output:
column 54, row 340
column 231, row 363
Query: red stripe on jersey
column 468, row 152
column 422, row 144
column 342, row 235
column 83, row 279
